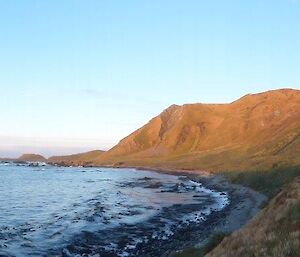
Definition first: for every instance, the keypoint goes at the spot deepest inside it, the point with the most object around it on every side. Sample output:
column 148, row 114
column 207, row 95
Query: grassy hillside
column 32, row 158
column 269, row 182
column 274, row 232
column 76, row 159
column 260, row 131
column 256, row 132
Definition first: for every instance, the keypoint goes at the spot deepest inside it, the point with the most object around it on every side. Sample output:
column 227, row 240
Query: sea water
column 73, row 211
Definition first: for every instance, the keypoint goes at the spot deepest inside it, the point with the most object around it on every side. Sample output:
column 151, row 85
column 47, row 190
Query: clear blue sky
column 79, row 75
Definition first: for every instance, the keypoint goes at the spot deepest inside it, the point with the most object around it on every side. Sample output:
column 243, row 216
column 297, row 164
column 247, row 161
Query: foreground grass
column 274, row 232
column 294, row 213
column 268, row 182
column 282, row 238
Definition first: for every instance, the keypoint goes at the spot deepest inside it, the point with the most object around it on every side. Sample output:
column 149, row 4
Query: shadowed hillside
column 258, row 131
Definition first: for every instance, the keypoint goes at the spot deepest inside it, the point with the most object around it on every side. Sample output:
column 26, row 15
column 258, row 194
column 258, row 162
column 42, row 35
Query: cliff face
column 32, row 158
column 256, row 131
column 275, row 231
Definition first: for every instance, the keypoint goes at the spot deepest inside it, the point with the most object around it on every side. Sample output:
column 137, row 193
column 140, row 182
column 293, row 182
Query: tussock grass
column 294, row 213
column 269, row 182
column 274, row 232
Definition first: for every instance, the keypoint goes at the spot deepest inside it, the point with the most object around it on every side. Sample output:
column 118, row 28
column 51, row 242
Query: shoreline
column 244, row 204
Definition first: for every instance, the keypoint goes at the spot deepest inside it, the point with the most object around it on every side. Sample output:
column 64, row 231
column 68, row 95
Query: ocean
column 74, row 211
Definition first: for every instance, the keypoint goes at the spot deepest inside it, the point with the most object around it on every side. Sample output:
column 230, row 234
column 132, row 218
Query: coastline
column 244, row 204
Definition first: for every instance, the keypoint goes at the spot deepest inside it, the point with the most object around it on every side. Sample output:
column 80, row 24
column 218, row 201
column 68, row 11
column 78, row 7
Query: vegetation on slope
column 284, row 234
column 260, row 131
column 256, row 132
column 83, row 159
column 32, row 158
column 274, row 232
column 269, row 182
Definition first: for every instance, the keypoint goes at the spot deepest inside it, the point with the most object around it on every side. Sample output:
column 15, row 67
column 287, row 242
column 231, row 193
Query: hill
column 259, row 131
column 7, row 159
column 81, row 159
column 32, row 158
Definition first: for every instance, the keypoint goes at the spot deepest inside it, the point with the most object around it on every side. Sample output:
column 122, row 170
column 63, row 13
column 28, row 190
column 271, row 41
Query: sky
column 81, row 75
